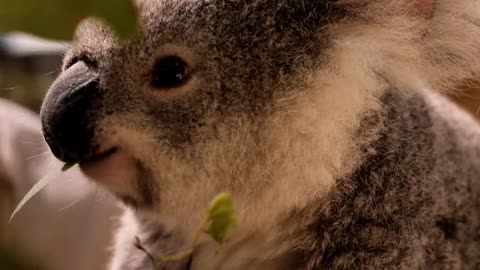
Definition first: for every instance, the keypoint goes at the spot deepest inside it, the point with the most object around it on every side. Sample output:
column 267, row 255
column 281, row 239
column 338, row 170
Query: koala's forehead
column 236, row 22
column 230, row 28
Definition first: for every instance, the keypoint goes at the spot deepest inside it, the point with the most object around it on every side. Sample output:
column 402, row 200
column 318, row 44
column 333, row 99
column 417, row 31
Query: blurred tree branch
column 57, row 19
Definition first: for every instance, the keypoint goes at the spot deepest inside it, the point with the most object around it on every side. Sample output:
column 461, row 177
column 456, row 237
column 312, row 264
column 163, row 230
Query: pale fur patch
column 123, row 239
column 412, row 51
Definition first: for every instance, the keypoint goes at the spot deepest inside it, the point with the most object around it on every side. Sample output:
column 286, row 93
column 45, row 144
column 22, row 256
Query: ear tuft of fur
column 410, row 51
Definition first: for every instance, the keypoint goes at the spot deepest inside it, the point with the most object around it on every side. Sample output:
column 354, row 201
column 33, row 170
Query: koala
column 323, row 119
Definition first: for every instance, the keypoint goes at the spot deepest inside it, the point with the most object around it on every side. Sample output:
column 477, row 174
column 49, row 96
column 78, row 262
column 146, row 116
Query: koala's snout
column 66, row 113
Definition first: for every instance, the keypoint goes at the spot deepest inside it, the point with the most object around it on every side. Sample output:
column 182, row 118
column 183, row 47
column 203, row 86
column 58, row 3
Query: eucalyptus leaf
column 43, row 182
column 57, row 19
column 220, row 220
column 67, row 166
column 221, row 217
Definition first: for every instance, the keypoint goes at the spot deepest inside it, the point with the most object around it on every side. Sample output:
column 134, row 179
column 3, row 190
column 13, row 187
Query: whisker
column 53, row 163
column 49, row 73
column 33, row 142
column 20, row 118
column 9, row 88
column 70, row 205
column 38, row 155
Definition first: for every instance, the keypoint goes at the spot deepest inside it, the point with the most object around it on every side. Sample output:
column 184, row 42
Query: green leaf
column 174, row 258
column 221, row 217
column 13, row 261
column 220, row 220
column 57, row 19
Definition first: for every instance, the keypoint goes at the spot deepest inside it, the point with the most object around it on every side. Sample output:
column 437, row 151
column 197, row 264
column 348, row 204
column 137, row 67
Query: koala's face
column 186, row 104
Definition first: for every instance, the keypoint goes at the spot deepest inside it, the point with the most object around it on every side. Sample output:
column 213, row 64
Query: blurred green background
column 28, row 65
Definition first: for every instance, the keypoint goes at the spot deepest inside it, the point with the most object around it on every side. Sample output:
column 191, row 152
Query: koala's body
column 317, row 116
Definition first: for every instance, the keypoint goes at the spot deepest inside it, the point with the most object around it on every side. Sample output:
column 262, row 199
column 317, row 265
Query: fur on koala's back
column 413, row 203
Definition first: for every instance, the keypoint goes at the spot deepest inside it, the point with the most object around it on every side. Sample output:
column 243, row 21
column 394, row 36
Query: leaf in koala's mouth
column 41, row 184
column 67, row 166
column 97, row 157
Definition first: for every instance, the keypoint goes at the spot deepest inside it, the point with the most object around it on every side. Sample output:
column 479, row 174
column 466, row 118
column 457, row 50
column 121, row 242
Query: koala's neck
column 311, row 143
column 324, row 141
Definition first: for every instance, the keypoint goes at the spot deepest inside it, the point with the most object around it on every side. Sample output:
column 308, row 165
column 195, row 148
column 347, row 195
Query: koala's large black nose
column 66, row 113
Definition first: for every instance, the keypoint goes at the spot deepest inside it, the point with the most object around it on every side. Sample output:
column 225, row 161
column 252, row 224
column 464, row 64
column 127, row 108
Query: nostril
column 80, row 58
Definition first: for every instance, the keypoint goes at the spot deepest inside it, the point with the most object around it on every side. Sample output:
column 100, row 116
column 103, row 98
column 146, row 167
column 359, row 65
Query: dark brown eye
column 169, row 72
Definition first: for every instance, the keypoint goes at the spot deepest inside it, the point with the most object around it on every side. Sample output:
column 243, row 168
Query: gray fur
column 414, row 202
column 236, row 80
column 397, row 181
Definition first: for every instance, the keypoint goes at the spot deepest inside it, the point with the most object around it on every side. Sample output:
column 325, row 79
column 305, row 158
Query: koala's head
column 226, row 95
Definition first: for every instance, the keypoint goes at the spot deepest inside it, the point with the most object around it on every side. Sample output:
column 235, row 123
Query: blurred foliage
column 25, row 80
column 57, row 19
column 12, row 261
column 25, row 77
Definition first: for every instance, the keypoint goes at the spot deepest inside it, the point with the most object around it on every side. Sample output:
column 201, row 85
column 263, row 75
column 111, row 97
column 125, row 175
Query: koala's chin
column 117, row 170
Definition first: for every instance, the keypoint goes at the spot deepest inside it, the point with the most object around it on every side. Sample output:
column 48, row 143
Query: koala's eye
column 169, row 72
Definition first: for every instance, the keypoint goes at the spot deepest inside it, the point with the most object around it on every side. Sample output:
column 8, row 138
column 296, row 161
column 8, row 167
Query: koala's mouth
column 115, row 168
column 99, row 156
